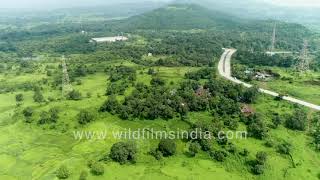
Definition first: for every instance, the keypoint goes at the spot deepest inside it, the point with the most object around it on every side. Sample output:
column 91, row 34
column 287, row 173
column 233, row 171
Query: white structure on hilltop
column 109, row 39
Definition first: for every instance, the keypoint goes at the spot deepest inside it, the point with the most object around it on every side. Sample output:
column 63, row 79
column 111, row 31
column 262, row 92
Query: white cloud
column 309, row 3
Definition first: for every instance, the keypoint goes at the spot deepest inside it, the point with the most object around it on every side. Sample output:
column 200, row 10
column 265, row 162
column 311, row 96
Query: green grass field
column 303, row 86
column 30, row 151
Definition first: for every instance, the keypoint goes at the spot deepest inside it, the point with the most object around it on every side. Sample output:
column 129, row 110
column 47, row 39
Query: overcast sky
column 73, row 3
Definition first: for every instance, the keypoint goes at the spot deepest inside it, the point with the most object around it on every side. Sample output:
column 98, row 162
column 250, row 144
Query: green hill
column 182, row 17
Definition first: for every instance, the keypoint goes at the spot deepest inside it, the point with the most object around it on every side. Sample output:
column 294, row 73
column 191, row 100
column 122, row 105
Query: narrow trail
column 224, row 69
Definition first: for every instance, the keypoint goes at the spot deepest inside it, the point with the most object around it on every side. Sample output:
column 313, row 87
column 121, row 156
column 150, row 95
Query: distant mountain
column 182, row 17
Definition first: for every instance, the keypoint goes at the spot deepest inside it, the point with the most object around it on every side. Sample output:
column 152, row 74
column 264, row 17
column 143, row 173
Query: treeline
column 262, row 59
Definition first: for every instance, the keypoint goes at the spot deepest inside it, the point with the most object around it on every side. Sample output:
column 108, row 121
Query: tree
column 74, row 95
column 284, row 148
column 97, row 169
column 63, row 172
column 167, row 147
column 44, row 117
column 156, row 81
column 194, row 148
column 27, row 112
column 297, row 121
column 123, row 152
column 19, row 98
column 250, row 95
column 219, row 155
column 111, row 105
column 276, row 120
column 54, row 114
column 261, row 157
column 38, row 97
column 258, row 169
column 256, row 127
column 85, row 117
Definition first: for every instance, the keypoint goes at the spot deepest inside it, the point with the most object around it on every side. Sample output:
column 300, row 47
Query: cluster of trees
column 258, row 165
column 122, row 73
column 204, row 73
column 262, row 59
column 160, row 101
column 123, row 152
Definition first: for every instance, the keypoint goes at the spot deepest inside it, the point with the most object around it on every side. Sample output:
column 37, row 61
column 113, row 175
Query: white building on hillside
column 109, row 39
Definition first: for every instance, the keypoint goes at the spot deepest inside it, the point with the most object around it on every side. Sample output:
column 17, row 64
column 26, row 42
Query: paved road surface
column 224, row 69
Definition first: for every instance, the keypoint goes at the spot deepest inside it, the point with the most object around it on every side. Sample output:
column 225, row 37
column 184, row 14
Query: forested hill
column 182, row 17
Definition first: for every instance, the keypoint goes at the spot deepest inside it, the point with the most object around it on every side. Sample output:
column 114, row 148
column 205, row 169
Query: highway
column 224, row 68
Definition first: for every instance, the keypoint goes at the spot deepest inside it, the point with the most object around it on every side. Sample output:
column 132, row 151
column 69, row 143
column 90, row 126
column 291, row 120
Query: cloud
column 298, row 3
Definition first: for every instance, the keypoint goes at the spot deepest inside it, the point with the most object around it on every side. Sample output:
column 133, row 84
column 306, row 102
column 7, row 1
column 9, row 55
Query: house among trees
column 247, row 110
column 202, row 92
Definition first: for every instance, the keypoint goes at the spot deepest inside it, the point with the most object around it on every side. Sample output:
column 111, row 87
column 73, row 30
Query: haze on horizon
column 52, row 4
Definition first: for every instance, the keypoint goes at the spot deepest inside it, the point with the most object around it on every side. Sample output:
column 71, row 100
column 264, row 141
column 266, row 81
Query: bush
column 284, row 148
column 205, row 144
column 218, row 155
column 123, row 152
column 97, row 169
column 194, row 148
column 19, row 98
column 167, row 147
column 156, row 81
column 261, row 157
column 63, row 172
column 156, row 154
column 27, row 112
column 85, row 117
column 245, row 152
column 74, row 95
column 83, row 175
column 297, row 121
column 111, row 105
column 258, row 169
column 38, row 97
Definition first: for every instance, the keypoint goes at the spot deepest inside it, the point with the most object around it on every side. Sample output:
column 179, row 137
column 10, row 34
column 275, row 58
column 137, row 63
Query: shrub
column 27, row 112
column 245, row 152
column 284, row 148
column 156, row 81
column 258, row 169
column 261, row 157
column 156, row 154
column 218, row 155
column 74, row 95
column 123, row 152
column 111, row 105
column 297, row 121
column 63, row 172
column 19, row 98
column 167, row 147
column 194, row 148
column 97, row 169
column 38, row 97
column 205, row 144
column 83, row 175
column 85, row 117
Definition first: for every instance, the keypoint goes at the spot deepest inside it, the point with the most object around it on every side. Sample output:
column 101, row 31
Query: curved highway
column 224, row 69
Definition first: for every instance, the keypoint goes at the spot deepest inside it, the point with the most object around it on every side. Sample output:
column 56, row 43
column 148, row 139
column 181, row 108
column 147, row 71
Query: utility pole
column 304, row 64
column 66, row 86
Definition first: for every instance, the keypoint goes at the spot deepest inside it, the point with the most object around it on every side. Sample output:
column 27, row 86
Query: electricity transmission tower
column 66, row 86
column 273, row 40
column 304, row 63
